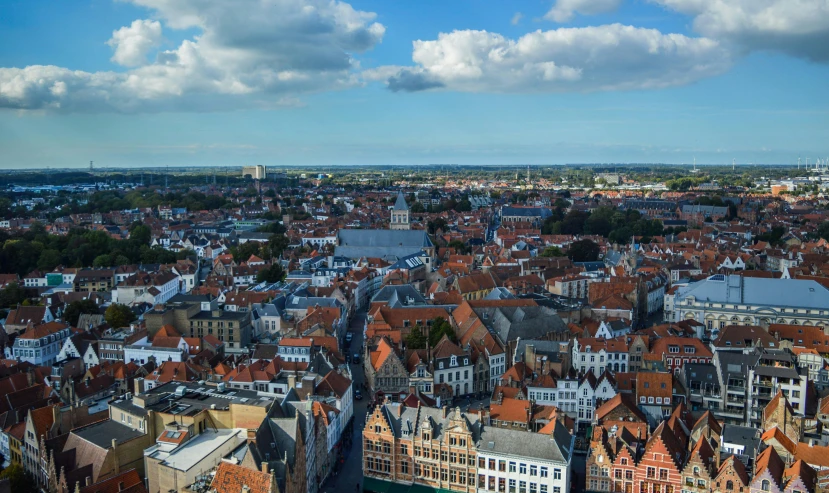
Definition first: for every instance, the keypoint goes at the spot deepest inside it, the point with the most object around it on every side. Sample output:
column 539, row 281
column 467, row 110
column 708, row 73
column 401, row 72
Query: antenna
column 166, row 176
column 733, row 164
column 798, row 163
column 91, row 167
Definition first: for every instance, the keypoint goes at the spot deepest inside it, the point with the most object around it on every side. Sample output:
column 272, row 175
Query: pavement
column 350, row 473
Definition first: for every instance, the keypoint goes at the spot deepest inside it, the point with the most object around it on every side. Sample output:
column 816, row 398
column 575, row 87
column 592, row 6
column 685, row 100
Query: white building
column 724, row 300
column 39, row 345
column 596, row 355
column 294, row 349
column 511, row 461
column 452, row 366
column 141, row 353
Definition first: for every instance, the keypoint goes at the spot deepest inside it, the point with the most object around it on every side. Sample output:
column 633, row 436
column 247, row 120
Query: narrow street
column 350, row 473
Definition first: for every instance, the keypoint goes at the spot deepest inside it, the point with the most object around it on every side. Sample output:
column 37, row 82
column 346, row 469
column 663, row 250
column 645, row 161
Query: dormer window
column 454, row 361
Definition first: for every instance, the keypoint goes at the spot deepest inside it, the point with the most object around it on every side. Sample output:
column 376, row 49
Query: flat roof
column 102, row 433
column 199, row 447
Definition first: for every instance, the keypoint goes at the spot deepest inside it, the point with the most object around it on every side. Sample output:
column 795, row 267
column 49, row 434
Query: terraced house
column 443, row 449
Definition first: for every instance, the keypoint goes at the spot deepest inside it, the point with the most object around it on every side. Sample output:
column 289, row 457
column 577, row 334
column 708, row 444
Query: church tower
column 400, row 214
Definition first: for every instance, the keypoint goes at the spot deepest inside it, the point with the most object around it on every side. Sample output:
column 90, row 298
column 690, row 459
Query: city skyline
column 152, row 83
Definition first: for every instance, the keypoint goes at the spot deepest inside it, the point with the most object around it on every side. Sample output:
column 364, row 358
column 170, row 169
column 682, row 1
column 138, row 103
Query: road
column 350, row 473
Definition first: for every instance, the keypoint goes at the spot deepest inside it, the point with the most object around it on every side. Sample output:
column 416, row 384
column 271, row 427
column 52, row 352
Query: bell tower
column 400, row 214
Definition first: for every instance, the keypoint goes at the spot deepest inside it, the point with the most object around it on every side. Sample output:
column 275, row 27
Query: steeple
column 400, row 213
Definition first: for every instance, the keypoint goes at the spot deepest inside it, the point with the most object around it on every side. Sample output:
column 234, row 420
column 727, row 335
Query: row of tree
column 37, row 249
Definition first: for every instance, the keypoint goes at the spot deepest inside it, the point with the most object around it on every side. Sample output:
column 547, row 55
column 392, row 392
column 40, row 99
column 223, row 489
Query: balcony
column 736, row 401
column 737, row 388
column 763, row 382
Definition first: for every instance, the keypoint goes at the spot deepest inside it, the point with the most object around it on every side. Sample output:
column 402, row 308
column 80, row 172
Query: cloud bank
column 245, row 48
column 602, row 58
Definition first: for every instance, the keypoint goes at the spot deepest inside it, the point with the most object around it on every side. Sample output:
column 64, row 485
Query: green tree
column 118, row 315
column 140, row 234
column 459, row 246
column 439, row 328
column 75, row 309
column 416, row 339
column 11, row 295
column 19, row 480
column 553, row 251
column 437, row 224
column 243, row 252
column 583, row 251
column 823, row 230
column 272, row 273
column 49, row 259
column 102, row 261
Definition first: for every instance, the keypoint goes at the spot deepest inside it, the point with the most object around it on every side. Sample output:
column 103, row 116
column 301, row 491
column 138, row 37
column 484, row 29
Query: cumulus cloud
column 602, row 58
column 796, row 27
column 565, row 10
column 247, row 53
column 133, row 42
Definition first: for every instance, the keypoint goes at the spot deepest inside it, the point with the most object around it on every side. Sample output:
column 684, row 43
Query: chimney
column 445, row 410
column 88, row 480
column 265, row 467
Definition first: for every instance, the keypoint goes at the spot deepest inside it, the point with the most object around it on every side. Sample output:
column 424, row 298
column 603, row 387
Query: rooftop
column 198, row 448
column 103, row 432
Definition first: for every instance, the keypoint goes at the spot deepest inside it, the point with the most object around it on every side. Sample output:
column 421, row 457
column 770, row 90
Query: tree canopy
column 118, row 315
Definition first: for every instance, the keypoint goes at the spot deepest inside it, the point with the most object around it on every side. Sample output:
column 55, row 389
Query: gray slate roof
column 757, row 291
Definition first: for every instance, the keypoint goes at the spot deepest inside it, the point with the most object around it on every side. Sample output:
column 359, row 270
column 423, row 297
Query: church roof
column 400, row 203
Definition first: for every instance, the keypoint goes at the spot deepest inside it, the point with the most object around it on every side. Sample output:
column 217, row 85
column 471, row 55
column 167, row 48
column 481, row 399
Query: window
column 543, row 472
column 502, row 465
column 533, row 487
column 651, row 472
column 556, row 473
column 543, row 488
column 511, row 486
column 533, row 470
column 481, row 463
column 765, row 485
column 522, row 468
column 729, row 485
column 491, row 464
column 522, row 487
column 512, row 467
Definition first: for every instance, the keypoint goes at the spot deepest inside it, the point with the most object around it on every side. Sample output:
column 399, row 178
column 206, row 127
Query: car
column 355, row 359
column 349, row 336
column 357, row 394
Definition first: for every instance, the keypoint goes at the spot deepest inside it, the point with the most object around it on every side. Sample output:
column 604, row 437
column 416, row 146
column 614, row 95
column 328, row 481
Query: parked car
column 355, row 359
column 349, row 336
column 357, row 394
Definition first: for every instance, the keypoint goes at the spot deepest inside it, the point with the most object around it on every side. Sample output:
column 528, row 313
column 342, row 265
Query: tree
column 49, row 259
column 583, row 251
column 440, row 327
column 102, row 261
column 459, row 246
column 11, row 295
column 553, row 251
column 273, row 273
column 140, row 234
column 437, row 224
column 75, row 309
column 823, row 230
column 243, row 252
column 416, row 339
column 19, row 480
column 118, row 315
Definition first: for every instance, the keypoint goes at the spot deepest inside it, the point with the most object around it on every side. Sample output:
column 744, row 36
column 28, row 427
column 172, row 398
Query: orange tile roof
column 231, row 478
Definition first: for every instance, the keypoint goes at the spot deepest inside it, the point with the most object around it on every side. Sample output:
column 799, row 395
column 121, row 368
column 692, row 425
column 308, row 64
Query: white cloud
column 796, row 27
column 602, row 58
column 516, row 18
column 132, row 43
column 565, row 10
column 248, row 53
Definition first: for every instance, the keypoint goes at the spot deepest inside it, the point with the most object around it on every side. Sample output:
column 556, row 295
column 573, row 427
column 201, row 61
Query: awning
column 421, row 488
column 372, row 485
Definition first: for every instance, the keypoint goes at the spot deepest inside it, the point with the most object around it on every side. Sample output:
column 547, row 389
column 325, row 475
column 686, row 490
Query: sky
column 149, row 83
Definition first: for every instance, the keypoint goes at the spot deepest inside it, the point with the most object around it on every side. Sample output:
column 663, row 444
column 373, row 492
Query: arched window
column 765, row 485
column 729, row 485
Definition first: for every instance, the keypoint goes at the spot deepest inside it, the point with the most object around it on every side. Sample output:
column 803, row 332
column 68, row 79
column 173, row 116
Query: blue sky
column 180, row 82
